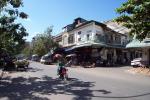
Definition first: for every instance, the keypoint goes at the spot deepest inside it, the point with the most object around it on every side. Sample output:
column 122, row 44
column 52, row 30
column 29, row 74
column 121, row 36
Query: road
column 40, row 82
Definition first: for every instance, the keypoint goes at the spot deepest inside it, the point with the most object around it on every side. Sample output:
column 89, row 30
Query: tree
column 135, row 15
column 11, row 33
column 26, row 50
column 43, row 43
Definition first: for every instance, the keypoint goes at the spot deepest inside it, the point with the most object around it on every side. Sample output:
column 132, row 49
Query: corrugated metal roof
column 117, row 27
column 138, row 44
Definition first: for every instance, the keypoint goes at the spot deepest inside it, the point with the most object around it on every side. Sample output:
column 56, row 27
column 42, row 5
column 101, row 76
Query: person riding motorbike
column 61, row 70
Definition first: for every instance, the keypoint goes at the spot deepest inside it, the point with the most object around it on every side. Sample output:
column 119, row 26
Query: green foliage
column 43, row 43
column 27, row 51
column 11, row 33
column 135, row 15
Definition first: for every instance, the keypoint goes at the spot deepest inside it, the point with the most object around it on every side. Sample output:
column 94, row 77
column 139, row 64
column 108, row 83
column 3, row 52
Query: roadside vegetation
column 41, row 44
column 135, row 15
column 11, row 33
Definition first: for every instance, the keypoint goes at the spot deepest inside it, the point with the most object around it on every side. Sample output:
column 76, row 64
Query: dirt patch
column 140, row 70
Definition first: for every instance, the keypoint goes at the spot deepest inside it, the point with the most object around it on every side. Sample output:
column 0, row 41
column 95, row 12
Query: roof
column 88, row 22
column 99, row 24
column 58, row 35
column 117, row 27
column 135, row 43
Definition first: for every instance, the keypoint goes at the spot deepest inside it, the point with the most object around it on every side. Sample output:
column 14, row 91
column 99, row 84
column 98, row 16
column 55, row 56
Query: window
column 79, row 32
column 98, row 36
column 106, row 38
column 89, row 31
column 88, row 37
column 79, row 39
column 65, row 40
column 109, row 38
column 98, row 32
column 147, row 41
column 118, row 39
column 71, row 38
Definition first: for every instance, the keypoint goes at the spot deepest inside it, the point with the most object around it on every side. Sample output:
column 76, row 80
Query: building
column 93, row 40
column 140, row 49
column 58, row 38
column 118, row 27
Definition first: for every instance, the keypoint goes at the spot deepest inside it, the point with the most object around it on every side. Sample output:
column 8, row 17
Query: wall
column 88, row 29
column 145, row 54
column 65, row 39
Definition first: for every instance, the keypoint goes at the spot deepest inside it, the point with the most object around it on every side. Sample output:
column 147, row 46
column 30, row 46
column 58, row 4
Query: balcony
column 99, row 39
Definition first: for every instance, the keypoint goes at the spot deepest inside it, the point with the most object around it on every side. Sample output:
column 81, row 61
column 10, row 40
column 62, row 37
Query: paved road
column 40, row 82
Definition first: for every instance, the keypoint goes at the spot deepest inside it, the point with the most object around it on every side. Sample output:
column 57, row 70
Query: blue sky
column 44, row 13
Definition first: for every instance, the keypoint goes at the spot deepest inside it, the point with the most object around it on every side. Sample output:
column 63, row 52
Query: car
column 137, row 62
column 35, row 57
column 21, row 64
column 46, row 59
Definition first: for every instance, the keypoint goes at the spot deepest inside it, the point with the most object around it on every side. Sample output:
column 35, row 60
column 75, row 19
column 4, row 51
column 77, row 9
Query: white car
column 46, row 59
column 35, row 57
column 136, row 62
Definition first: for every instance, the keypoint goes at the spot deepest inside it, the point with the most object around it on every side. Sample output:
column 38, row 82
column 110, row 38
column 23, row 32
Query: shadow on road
column 31, row 88
column 37, row 88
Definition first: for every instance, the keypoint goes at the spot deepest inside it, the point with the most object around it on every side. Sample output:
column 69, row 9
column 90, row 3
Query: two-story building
column 92, row 40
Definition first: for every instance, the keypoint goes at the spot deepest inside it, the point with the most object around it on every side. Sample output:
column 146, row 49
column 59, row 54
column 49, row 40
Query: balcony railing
column 99, row 39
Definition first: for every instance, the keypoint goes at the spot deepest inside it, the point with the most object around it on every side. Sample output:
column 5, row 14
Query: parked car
column 35, row 57
column 46, row 59
column 21, row 64
column 137, row 62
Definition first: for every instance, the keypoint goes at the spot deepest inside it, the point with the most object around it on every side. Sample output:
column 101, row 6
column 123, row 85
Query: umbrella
column 57, row 56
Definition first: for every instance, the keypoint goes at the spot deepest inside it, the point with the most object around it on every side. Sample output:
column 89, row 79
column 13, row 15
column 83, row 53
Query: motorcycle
column 63, row 73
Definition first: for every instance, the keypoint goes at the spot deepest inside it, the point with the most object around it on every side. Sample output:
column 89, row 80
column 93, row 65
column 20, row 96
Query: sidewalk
column 140, row 70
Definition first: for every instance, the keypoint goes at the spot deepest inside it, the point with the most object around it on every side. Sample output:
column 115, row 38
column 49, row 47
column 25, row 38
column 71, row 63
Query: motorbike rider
column 61, row 70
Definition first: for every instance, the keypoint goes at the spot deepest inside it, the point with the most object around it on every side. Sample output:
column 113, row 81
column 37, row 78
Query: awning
column 93, row 45
column 138, row 44
column 68, row 49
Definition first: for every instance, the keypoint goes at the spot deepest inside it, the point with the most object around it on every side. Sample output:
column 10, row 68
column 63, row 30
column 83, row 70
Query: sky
column 59, row 13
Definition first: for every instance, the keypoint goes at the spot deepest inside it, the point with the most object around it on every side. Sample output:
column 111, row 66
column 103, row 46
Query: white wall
column 65, row 39
column 84, row 31
column 90, row 29
column 99, row 29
